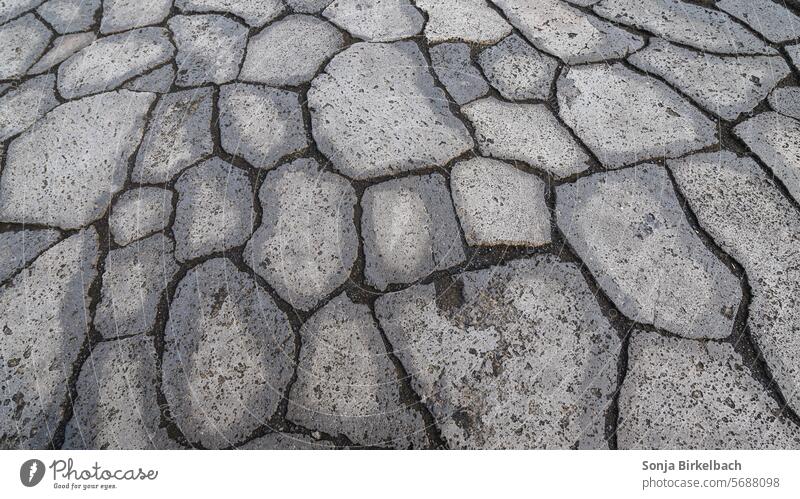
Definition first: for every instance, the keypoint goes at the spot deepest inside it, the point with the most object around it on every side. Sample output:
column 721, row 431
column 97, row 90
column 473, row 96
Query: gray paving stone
column 22, row 42
column 409, row 230
column 625, row 117
column 139, row 213
column 18, row 249
column 308, row 6
column 776, row 140
column 517, row 70
column 44, row 327
column 81, row 149
column 228, row 355
column 684, row 394
column 122, row 15
column 116, row 406
column 290, row 51
column 499, row 204
column 567, row 33
column 261, row 124
column 376, row 20
column 307, row 242
column 786, row 100
column 111, row 61
column 376, row 111
column 346, row 382
column 134, row 281
column 158, row 80
column 631, row 233
column 286, row 441
column 525, row 132
column 70, row 16
column 454, row 68
column 256, row 13
column 771, row 19
column 471, row 21
column 794, row 54
column 179, row 135
column 685, row 23
column 10, row 9
column 527, row 360
column 23, row 105
column 63, row 47
column 214, row 211
column 744, row 212
column 725, row 86
column 210, row 48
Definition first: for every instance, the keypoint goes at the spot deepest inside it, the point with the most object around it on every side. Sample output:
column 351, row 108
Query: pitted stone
column 18, row 249
column 158, row 80
column 471, row 21
column 10, row 9
column 786, row 100
column 122, row 15
column 20, row 107
column 256, row 13
column 63, row 47
column 771, row 19
column 70, row 16
column 22, row 42
column 308, row 6
column 517, row 70
column 210, row 48
column 139, row 213
column 454, row 68
column 376, row 20
column 286, row 441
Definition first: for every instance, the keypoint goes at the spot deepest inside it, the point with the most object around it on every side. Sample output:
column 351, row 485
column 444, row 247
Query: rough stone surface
column 771, row 19
column 122, row 15
column 22, row 42
column 472, row 21
column 23, row 105
column 63, row 47
column 308, row 6
column 158, row 80
column 376, row 111
column 376, row 20
column 525, row 132
column 228, row 355
column 10, row 9
column 19, row 248
column 794, row 54
column 454, row 68
column 210, row 48
column 625, row 117
column 256, row 13
column 409, row 230
column 286, row 441
column 70, row 16
column 307, row 242
column 517, row 70
column 140, row 212
column 786, row 100
column 81, row 150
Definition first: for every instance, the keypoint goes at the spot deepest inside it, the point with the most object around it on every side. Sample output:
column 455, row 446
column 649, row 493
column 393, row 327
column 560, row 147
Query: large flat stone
column 771, row 19
column 140, row 212
column 471, row 21
column 10, row 9
column 453, row 66
column 256, row 13
column 517, row 70
column 122, row 15
column 18, row 249
column 159, row 80
column 376, row 20
column 210, row 48
column 22, row 42
column 70, row 16
column 786, row 100
column 308, row 6
column 20, row 107
column 63, row 47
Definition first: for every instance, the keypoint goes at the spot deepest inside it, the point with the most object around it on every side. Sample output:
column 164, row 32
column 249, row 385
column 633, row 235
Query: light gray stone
column 81, row 151
column 471, row 21
column 786, row 100
column 23, row 105
column 409, row 230
column 307, row 242
column 22, row 42
column 18, row 249
column 179, row 135
column 10, row 9
column 214, row 211
column 158, row 80
column 286, row 441
column 139, row 213
column 261, row 124
column 256, row 13
column 347, row 384
column 228, row 355
column 771, row 19
column 625, row 117
column 684, row 394
column 210, row 48
column 376, row 20
column 134, row 281
column 517, row 70
column 111, row 61
column 377, row 111
column 69, row 16
column 63, row 47
column 499, row 204
column 454, row 68
column 525, row 360
column 725, row 86
column 122, row 15
column 290, row 51
column 525, row 132
column 567, row 33
column 45, row 325
column 631, row 233
column 794, row 54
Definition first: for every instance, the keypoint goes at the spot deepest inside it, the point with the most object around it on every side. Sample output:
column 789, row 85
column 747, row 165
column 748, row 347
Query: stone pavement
column 469, row 224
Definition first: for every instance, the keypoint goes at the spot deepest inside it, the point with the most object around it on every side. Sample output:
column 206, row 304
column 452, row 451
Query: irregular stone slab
column 286, row 441
column 630, row 231
column 23, row 105
column 525, row 132
column 786, row 100
column 122, row 15
column 228, row 355
column 10, row 9
column 44, row 324
column 308, row 6
column 409, row 230
column 261, row 124
column 139, row 213
column 376, row 20
column 567, row 33
column 134, row 281
column 471, row 21
column 22, row 42
column 625, row 117
column 158, row 80
column 70, row 16
column 744, row 212
column 683, row 394
column 256, row 13
column 776, row 140
column 794, row 54
column 307, row 242
column 685, row 23
column 517, row 70
column 290, row 51
column 81, row 151
column 18, row 249
column 725, row 86
column 499, row 204
column 109, row 62
column 454, row 68
column 116, row 406
column 525, row 360
column 215, row 209
column 63, row 47
column 347, row 384
column 377, row 111
column 775, row 22
column 179, row 135
column 210, row 48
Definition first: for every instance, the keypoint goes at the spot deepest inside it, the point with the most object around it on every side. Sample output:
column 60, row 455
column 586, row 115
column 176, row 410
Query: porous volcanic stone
column 22, row 42
column 376, row 20
column 454, row 68
column 23, row 105
column 63, row 47
column 256, row 13
column 210, row 48
column 472, row 21
column 70, row 16
column 18, row 249
column 122, row 15
column 517, row 70
column 158, row 80
column 786, row 100
column 140, row 212
column 771, row 19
